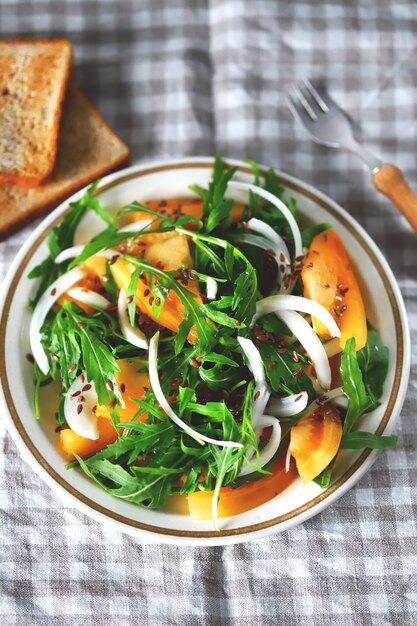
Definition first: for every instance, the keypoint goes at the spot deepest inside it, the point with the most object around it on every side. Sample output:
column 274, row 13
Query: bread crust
column 21, row 98
column 98, row 152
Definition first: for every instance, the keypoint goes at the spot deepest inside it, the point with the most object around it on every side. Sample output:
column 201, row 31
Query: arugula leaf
column 308, row 234
column 216, row 208
column 358, row 440
column 373, row 361
column 132, row 293
column 360, row 399
column 60, row 238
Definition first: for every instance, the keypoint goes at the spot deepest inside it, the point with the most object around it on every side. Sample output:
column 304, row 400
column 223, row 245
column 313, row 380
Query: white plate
column 37, row 441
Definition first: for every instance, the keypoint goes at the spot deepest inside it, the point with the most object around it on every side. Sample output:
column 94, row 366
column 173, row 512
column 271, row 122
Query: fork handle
column 389, row 180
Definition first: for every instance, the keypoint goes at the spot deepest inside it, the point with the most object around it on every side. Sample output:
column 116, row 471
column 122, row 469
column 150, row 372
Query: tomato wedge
column 315, row 441
column 243, row 498
column 329, row 279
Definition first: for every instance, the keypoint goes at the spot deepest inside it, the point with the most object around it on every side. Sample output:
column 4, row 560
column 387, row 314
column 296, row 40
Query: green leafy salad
column 208, row 350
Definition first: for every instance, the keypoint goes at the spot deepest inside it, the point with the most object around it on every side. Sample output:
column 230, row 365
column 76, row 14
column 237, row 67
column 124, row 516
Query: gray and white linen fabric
column 192, row 78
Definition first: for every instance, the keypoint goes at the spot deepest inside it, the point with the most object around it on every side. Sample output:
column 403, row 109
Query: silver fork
column 330, row 126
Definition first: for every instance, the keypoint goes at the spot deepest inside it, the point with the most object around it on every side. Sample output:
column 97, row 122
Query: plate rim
column 255, row 531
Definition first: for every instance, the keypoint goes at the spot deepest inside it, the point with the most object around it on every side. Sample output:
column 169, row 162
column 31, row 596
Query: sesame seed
column 30, row 357
column 298, row 372
column 81, row 377
column 146, row 293
column 194, row 363
column 86, row 387
column 112, row 403
column 257, row 394
column 157, row 301
column 53, row 292
column 129, row 299
column 282, row 268
column 271, row 365
column 298, row 398
column 79, row 408
column 151, row 299
column 109, row 385
column 75, row 394
column 295, row 356
column 114, row 259
column 282, row 258
column 122, row 387
column 81, row 399
column 72, row 367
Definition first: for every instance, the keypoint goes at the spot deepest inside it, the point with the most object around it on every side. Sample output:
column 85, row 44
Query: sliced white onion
column 334, row 395
column 45, row 303
column 132, row 334
column 269, row 449
column 89, row 297
column 212, row 287
column 165, row 406
column 72, row 253
column 261, row 392
column 311, row 344
column 277, row 245
column 288, row 460
column 332, row 347
column 82, row 393
column 290, row 405
column 134, row 227
column 273, row 304
column 280, row 206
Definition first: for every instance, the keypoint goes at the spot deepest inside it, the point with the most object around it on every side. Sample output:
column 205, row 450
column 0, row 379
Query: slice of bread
column 33, row 80
column 87, row 149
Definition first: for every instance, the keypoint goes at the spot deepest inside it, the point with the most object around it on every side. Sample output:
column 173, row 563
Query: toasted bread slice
column 33, row 80
column 87, row 149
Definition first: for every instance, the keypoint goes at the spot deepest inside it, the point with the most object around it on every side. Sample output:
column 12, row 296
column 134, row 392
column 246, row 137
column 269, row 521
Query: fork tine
column 315, row 95
column 296, row 109
column 302, row 100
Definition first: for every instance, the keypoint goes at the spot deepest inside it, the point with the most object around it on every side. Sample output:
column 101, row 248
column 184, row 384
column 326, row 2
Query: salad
column 207, row 352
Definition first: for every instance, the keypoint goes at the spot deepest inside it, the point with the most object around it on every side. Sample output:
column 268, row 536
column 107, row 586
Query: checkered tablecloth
column 197, row 77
